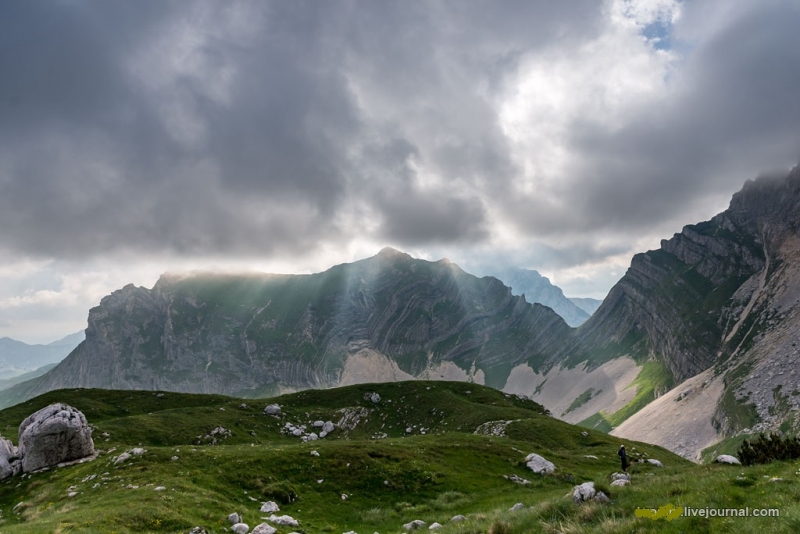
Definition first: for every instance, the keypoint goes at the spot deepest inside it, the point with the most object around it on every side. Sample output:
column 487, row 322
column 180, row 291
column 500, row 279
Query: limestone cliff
column 254, row 334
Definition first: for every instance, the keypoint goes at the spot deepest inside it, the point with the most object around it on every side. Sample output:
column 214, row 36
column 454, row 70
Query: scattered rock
column 284, row 520
column 620, row 483
column 197, row 530
column 728, row 459
column 344, row 497
column 539, row 465
column 314, row 453
column 434, row 526
column 10, row 464
column 55, row 434
column 457, row 518
column 328, row 427
column 122, row 457
column 415, row 524
column 72, row 494
column 621, row 476
column 601, row 498
column 318, row 424
column 269, row 507
column 584, row 433
column 518, row 506
column 653, row 461
column 590, row 457
column 374, row 398
column 264, row 528
column 516, row 479
column 234, row 518
column 174, row 458
column 159, row 488
column 584, row 492
column 272, row 409
column 240, row 528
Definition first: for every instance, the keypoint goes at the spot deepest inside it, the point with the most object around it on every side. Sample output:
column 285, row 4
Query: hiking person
column 623, row 458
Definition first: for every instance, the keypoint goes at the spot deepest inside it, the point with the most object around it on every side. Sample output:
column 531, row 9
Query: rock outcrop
column 55, row 434
column 52, row 436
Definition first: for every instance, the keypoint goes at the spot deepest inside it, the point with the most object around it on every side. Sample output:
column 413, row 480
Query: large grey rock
column 539, row 465
column 653, row 461
column 269, row 507
column 272, row 409
column 234, row 518
column 414, row 525
column 264, row 528
column 57, row 433
column 728, row 459
column 583, row 492
column 240, row 528
column 9, row 462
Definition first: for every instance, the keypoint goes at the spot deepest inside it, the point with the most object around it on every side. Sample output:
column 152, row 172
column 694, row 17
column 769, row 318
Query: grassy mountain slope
column 387, row 481
column 390, row 471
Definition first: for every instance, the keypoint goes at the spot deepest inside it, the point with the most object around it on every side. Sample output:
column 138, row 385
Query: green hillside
column 412, row 455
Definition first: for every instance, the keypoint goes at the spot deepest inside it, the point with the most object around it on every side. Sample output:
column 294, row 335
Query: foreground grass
column 387, row 474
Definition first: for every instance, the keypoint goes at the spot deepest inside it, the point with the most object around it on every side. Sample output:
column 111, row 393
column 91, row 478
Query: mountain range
column 538, row 288
column 18, row 358
column 696, row 342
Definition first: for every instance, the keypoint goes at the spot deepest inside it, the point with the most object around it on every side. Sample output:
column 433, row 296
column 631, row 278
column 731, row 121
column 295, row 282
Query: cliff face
column 685, row 303
column 260, row 334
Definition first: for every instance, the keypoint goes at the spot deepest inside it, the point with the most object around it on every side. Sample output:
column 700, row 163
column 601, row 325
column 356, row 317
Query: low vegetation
column 411, row 454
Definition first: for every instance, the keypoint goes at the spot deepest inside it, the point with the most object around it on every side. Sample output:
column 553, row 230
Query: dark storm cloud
column 268, row 128
column 209, row 127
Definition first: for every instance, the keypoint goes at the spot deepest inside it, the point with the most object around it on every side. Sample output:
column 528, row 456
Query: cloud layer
column 561, row 135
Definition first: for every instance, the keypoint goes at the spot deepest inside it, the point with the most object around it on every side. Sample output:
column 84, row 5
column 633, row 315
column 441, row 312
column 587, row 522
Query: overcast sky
column 150, row 136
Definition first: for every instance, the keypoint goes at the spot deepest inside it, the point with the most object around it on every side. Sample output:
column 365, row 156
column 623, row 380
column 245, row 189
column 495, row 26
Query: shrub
column 769, row 448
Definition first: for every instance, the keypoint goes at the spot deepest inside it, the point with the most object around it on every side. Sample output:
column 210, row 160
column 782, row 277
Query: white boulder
column 264, row 528
column 583, row 492
column 284, row 520
column 415, row 524
column 653, row 461
column 240, row 528
column 539, row 465
column 57, row 433
column 269, row 507
column 728, row 459
column 272, row 409
column 234, row 518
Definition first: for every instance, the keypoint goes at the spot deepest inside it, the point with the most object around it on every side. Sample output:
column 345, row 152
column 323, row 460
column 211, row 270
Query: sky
column 138, row 138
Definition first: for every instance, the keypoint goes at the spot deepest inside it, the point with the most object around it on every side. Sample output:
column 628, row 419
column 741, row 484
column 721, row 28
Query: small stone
column 434, row 526
column 457, row 518
column 728, row 459
column 583, row 492
column 539, row 465
column 653, row 461
column 344, row 497
column 174, row 458
column 415, row 524
column 284, row 520
column 240, row 528
column 234, row 518
column 197, row 530
column 518, row 506
column 72, row 493
column 159, row 488
column 269, row 507
column 314, row 453
column 264, row 528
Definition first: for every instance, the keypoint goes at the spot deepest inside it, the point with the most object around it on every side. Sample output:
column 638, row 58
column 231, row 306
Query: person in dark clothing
column 623, row 458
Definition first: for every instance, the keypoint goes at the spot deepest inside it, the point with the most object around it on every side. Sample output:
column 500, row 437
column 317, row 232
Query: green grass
column 388, row 481
column 654, row 376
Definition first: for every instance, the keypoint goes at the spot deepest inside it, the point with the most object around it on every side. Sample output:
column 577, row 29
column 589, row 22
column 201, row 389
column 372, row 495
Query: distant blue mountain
column 17, row 358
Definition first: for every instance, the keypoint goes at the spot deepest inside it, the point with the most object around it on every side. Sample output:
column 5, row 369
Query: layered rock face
column 261, row 334
column 686, row 302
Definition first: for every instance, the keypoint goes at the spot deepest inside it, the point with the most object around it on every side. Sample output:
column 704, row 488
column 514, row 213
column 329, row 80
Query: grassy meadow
column 412, row 455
